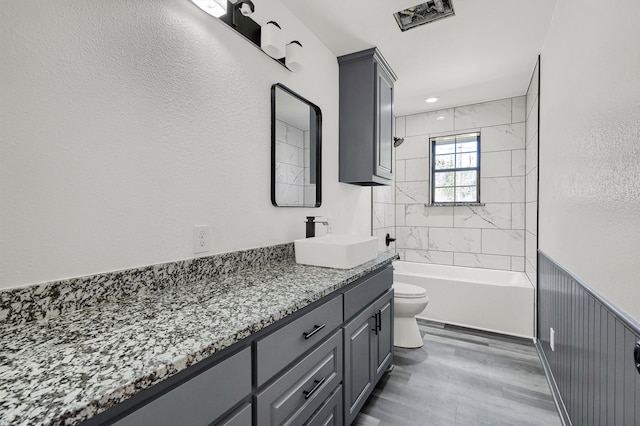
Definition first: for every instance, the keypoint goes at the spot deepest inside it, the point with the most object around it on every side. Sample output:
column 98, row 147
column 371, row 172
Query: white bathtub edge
column 474, row 327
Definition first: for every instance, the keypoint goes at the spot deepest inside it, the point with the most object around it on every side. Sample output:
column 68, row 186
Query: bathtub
column 484, row 299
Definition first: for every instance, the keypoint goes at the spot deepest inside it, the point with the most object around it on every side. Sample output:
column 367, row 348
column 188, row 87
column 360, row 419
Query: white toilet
column 409, row 300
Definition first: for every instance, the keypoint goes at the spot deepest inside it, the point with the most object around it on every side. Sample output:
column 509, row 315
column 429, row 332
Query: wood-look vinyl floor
column 462, row 377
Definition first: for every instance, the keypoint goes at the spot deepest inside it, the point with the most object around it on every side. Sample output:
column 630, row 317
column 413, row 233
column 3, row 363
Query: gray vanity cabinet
column 201, row 400
column 366, row 118
column 383, row 308
column 368, row 338
column 358, row 363
column 316, row 367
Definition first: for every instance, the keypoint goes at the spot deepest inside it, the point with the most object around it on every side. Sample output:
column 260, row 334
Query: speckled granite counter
column 68, row 368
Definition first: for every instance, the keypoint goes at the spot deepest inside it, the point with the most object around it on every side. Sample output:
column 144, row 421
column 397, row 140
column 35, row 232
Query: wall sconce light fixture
column 272, row 41
column 294, row 55
column 246, row 7
column 215, row 8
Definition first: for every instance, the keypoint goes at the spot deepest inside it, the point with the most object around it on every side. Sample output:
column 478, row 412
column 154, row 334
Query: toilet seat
column 408, row 291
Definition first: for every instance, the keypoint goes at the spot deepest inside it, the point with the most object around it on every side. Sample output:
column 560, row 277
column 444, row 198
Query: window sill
column 454, row 204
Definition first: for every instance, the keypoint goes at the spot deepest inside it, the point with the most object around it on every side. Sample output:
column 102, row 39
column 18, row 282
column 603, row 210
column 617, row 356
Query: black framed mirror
column 296, row 142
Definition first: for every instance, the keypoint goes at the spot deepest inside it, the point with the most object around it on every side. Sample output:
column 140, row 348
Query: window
column 455, row 169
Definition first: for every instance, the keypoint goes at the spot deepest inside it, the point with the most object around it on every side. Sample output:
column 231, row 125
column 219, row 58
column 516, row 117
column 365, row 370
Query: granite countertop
column 66, row 369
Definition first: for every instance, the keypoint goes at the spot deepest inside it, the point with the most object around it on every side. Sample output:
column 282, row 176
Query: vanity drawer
column 330, row 413
column 298, row 393
column 200, row 400
column 280, row 348
column 367, row 291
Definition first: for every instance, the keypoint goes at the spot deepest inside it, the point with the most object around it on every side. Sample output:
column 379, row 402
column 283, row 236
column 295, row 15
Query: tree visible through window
column 455, row 169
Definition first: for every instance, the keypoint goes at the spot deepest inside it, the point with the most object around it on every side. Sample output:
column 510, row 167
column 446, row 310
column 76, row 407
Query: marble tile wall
column 383, row 215
column 531, row 178
column 488, row 236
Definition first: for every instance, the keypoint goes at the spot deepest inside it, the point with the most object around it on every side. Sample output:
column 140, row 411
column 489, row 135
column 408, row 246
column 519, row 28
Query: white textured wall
column 124, row 123
column 590, row 146
column 490, row 236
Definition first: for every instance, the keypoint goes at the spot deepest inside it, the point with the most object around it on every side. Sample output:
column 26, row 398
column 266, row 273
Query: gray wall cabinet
column 310, row 368
column 368, row 352
column 366, row 118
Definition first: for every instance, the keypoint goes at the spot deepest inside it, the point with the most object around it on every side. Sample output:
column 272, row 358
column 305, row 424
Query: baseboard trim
column 555, row 392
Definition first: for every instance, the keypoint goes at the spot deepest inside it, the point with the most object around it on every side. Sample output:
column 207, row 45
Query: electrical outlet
column 552, row 339
column 201, row 237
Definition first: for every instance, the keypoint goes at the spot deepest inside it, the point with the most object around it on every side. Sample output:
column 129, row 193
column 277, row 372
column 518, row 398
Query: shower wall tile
column 517, row 263
column 413, row 147
column 455, row 239
column 487, row 261
column 502, row 189
column 518, row 109
column 430, row 122
column 400, row 130
column 483, row 114
column 531, row 217
column 518, row 161
column 429, row 256
column 503, row 241
column 378, row 212
column 532, row 154
column 518, row 216
column 383, row 194
column 411, row 237
column 417, row 169
column 389, row 215
column 495, row 164
column 532, row 185
column 487, row 216
column 412, row 192
column 422, row 215
column 502, row 138
column 490, row 235
column 400, row 214
column 400, row 171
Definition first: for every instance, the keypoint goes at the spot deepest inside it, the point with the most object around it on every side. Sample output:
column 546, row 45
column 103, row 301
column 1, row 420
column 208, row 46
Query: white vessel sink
column 336, row 251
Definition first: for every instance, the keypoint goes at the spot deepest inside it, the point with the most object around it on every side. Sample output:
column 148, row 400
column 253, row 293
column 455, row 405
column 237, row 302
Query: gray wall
column 592, row 364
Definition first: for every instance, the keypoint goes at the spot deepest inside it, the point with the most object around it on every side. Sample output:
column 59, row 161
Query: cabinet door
column 359, row 362
column 384, row 338
column 384, row 124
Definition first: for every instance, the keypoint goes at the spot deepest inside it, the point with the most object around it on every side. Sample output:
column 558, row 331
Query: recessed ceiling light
column 442, row 117
column 431, row 100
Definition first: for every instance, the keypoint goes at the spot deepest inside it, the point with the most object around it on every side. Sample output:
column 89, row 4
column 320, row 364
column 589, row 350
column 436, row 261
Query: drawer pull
column 318, row 384
column 316, row 328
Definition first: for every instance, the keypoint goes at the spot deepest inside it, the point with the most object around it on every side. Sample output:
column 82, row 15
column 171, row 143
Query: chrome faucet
column 311, row 225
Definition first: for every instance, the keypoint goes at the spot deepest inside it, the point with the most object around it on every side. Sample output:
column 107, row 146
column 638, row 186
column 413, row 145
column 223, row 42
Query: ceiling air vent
column 423, row 13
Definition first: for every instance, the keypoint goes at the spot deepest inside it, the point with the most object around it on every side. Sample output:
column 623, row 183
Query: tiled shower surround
column 491, row 235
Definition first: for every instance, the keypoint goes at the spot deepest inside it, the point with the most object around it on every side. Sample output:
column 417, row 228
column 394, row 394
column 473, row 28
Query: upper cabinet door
column 384, row 124
column 366, row 119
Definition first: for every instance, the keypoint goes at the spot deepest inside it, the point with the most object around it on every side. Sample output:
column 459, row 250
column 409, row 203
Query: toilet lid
column 408, row 290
